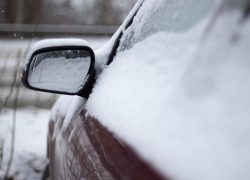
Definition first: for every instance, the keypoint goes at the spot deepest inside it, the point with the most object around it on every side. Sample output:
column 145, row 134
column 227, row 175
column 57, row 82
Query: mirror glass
column 60, row 70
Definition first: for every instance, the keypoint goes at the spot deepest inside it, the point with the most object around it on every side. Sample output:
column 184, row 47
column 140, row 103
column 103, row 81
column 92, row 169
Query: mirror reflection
column 60, row 70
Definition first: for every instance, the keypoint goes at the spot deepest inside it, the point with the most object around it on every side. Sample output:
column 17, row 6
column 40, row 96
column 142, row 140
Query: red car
column 166, row 98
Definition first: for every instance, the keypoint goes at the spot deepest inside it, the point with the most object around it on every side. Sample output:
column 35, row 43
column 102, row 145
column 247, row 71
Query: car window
column 169, row 16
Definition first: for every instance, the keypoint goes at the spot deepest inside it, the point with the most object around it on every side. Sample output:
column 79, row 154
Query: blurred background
column 24, row 114
column 24, row 22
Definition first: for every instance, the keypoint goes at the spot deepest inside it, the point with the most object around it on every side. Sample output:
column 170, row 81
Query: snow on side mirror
column 59, row 66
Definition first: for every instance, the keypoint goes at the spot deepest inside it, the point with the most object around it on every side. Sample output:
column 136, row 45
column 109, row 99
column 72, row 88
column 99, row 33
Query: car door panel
column 86, row 149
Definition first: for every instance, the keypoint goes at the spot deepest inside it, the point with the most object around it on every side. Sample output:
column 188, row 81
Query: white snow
column 30, row 143
column 72, row 133
column 58, row 42
column 182, row 101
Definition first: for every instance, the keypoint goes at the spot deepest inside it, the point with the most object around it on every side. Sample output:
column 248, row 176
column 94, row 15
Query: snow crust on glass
column 60, row 74
column 182, row 100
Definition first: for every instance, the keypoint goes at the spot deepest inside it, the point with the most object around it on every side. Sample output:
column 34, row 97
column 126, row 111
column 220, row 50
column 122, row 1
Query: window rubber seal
column 117, row 41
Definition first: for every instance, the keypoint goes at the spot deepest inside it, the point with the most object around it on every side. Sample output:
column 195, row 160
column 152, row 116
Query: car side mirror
column 66, row 69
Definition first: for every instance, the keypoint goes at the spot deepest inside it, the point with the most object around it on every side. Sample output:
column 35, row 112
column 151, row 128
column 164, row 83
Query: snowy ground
column 30, row 142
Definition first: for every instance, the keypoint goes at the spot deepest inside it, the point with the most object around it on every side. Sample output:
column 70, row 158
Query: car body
column 169, row 99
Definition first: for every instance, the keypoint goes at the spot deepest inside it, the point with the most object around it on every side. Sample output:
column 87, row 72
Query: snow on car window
column 167, row 16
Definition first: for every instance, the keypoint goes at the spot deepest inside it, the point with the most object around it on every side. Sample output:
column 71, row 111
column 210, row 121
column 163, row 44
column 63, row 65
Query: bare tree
column 13, row 132
column 1, row 152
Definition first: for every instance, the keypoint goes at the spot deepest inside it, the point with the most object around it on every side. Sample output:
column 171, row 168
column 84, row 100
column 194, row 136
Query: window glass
column 168, row 15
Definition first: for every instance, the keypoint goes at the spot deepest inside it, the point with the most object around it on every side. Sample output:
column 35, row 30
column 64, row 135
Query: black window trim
column 117, row 41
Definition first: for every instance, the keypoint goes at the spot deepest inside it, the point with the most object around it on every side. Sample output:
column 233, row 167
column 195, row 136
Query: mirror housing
column 62, row 66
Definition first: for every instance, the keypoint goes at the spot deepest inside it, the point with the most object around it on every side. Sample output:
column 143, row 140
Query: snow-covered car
column 168, row 97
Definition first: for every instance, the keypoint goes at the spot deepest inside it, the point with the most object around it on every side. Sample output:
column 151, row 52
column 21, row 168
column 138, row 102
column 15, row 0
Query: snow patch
column 65, row 107
column 72, row 134
column 30, row 142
